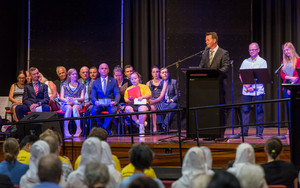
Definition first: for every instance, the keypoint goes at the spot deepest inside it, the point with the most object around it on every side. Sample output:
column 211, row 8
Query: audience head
column 50, row 168
column 223, row 179
column 51, row 132
column 99, row 133
column 194, row 162
column 96, row 175
column 244, row 154
column 94, row 73
column 42, row 78
column 72, row 75
column 164, row 73
column 21, row 77
column 27, row 142
column 61, row 72
column 135, row 78
column 53, row 142
column 202, row 181
column 11, row 150
column 251, row 176
column 90, row 152
column 103, row 70
column 84, row 73
column 39, row 149
column 118, row 73
column 155, row 72
column 253, row 50
column 34, row 74
column 211, row 39
column 143, row 182
column 273, row 147
column 141, row 156
column 128, row 70
column 289, row 53
column 28, row 77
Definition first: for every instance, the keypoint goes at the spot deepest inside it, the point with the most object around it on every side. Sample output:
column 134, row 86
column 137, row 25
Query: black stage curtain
column 143, row 35
column 274, row 23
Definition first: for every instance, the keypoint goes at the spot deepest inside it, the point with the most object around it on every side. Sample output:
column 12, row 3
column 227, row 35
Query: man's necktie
column 104, row 86
column 36, row 88
column 211, row 53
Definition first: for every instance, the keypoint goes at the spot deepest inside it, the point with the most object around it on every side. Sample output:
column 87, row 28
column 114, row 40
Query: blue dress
column 75, row 93
column 155, row 92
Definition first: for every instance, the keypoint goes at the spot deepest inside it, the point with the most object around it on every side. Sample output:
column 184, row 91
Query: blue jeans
column 167, row 119
column 259, row 113
column 22, row 110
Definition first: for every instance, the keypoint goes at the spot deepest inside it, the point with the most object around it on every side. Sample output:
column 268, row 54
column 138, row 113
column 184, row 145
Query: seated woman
column 16, row 92
column 72, row 98
column 158, row 89
column 131, row 107
column 52, row 92
column 10, row 166
column 278, row 172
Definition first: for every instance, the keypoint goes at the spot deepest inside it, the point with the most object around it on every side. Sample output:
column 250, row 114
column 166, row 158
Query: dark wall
column 187, row 23
column 74, row 33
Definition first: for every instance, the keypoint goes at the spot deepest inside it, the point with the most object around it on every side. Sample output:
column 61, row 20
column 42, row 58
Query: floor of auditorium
column 166, row 147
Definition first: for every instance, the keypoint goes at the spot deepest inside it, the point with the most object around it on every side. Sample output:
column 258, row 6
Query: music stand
column 255, row 76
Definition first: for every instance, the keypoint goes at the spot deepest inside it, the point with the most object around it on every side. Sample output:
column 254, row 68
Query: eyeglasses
column 252, row 50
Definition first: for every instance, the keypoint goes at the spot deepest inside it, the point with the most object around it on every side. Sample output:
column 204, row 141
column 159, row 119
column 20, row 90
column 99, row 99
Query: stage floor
column 167, row 149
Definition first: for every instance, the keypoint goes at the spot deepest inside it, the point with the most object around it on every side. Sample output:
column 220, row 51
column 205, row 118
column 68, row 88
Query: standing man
column 170, row 97
column 88, row 82
column 35, row 97
column 62, row 77
column 103, row 88
column 94, row 73
column 253, row 62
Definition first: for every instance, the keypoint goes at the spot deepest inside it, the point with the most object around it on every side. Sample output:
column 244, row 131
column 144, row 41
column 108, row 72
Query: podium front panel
column 204, row 90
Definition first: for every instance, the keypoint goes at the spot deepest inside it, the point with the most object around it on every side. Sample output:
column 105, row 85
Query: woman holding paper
column 72, row 97
column 138, row 100
column 158, row 89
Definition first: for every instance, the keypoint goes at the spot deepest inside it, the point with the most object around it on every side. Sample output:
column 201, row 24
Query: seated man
column 35, row 96
column 105, row 87
column 171, row 99
column 62, row 77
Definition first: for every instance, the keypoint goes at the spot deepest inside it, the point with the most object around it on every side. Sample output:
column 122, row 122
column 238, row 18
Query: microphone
column 276, row 72
column 205, row 49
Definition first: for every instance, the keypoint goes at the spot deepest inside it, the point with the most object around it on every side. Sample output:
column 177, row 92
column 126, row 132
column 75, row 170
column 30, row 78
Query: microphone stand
column 177, row 86
column 278, row 105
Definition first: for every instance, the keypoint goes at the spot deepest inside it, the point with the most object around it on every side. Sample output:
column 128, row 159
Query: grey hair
column 96, row 172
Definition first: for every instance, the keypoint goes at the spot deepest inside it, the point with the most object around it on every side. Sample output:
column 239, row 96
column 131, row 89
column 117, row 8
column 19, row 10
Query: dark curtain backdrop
column 274, row 23
column 144, row 35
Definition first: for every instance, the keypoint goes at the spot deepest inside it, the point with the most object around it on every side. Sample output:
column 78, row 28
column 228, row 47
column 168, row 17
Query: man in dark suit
column 105, row 87
column 35, row 96
column 170, row 97
column 214, row 57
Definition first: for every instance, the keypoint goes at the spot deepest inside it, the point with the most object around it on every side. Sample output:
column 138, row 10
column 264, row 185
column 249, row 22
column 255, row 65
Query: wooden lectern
column 204, row 88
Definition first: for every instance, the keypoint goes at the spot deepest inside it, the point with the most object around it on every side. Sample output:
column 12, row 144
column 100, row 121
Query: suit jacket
column 220, row 60
column 58, row 84
column 112, row 90
column 30, row 97
column 90, row 87
column 172, row 89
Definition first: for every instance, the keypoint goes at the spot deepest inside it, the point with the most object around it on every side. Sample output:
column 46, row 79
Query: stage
column 167, row 149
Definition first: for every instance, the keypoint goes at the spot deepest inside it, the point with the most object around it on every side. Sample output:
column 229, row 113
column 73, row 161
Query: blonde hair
column 42, row 78
column 11, row 149
column 293, row 57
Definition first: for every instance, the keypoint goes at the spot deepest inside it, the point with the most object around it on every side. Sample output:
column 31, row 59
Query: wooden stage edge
column 166, row 151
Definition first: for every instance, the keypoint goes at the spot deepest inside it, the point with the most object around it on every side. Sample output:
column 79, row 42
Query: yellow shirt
column 23, row 157
column 129, row 169
column 145, row 90
column 116, row 160
column 65, row 160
